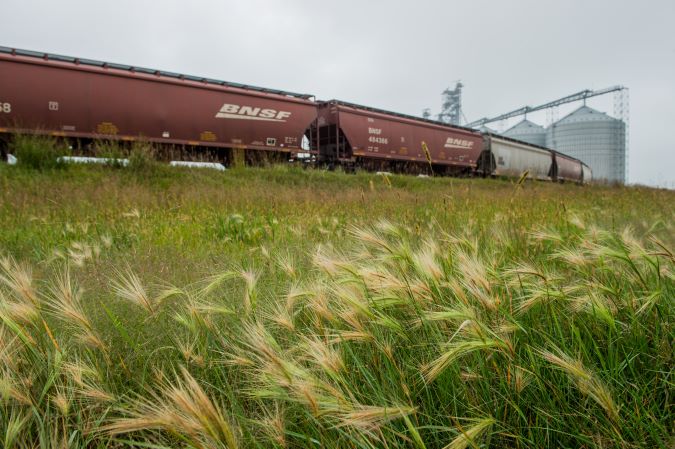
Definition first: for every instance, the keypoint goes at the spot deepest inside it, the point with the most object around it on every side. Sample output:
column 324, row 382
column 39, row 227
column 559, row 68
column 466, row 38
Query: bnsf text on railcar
column 376, row 137
column 458, row 143
column 235, row 111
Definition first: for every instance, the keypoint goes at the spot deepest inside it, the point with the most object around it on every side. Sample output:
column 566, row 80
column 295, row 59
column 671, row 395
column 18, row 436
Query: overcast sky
column 396, row 55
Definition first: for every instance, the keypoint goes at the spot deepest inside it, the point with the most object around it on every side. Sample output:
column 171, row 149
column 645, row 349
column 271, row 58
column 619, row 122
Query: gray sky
column 396, row 55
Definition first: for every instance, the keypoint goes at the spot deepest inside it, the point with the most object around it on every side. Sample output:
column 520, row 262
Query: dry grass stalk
column 371, row 238
column 456, row 350
column 469, row 436
column 325, row 356
column 128, row 286
column 250, row 278
column 10, row 389
column 61, row 401
column 183, row 408
column 273, row 426
column 587, row 382
column 427, row 263
column 18, row 278
column 369, row 418
column 64, row 302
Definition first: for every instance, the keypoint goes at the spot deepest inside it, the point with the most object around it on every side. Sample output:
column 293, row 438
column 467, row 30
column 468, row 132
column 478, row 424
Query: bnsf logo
column 457, row 143
column 235, row 111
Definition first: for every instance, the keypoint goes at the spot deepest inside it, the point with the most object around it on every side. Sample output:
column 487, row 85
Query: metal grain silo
column 594, row 137
column 529, row 132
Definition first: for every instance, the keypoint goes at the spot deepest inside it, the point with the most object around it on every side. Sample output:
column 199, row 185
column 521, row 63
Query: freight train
column 89, row 100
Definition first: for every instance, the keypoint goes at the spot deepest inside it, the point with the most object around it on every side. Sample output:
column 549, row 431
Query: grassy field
column 280, row 307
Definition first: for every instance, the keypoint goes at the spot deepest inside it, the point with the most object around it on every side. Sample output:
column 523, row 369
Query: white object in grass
column 93, row 160
column 213, row 165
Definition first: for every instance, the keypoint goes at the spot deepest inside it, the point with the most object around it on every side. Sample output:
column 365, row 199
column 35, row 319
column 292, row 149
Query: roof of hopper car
column 511, row 139
column 398, row 114
column 567, row 156
column 135, row 69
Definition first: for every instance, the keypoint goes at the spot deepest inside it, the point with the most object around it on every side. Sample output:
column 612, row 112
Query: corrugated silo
column 528, row 132
column 594, row 137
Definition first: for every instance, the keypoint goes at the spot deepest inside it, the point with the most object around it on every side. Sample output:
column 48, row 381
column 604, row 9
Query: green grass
column 38, row 152
column 281, row 307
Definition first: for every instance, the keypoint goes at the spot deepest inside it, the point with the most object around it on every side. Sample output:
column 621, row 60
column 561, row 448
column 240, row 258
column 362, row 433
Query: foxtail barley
column 426, row 262
column 287, row 265
column 371, row 238
column 585, row 380
column 18, row 278
column 64, row 302
column 324, row 355
column 368, row 418
column 474, row 271
column 469, row 436
column 456, row 350
column 183, row 408
column 250, row 278
column 273, row 426
column 61, row 401
column 10, row 389
column 128, row 286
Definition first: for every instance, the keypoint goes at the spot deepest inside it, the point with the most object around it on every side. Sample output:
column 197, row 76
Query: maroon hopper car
column 567, row 168
column 90, row 99
column 349, row 132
